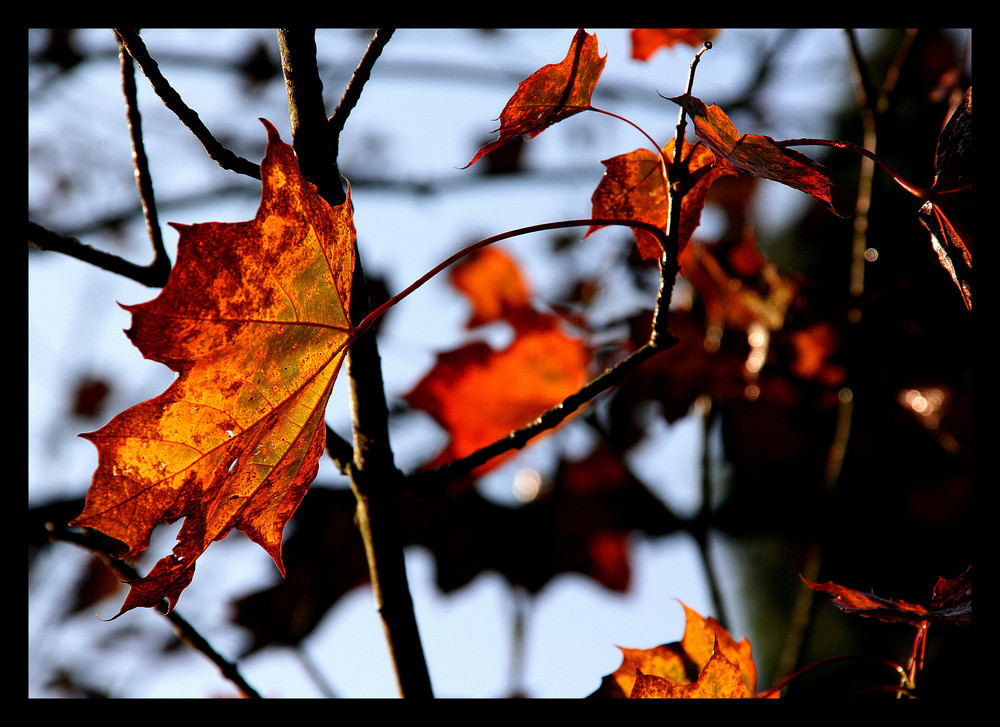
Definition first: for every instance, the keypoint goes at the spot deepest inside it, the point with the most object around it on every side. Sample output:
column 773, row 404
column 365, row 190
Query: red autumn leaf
column 947, row 214
column 633, row 188
column 951, row 602
column 814, row 346
column 757, row 155
column 255, row 321
column 740, row 287
column 479, row 394
column 550, row 94
column 493, row 283
column 706, row 663
column 646, row 41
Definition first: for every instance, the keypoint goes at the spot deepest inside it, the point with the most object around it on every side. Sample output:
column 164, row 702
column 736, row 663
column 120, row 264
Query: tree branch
column 317, row 156
column 45, row 239
column 361, row 75
column 160, row 267
column 96, row 543
column 372, row 471
column 173, row 101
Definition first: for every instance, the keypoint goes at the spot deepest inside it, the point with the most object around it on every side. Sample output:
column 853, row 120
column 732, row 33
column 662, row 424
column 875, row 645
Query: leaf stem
column 664, row 162
column 920, row 193
column 370, row 319
column 656, row 147
column 830, row 660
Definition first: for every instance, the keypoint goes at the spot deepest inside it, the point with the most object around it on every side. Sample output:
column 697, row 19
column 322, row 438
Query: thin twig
column 339, row 449
column 871, row 102
column 357, row 83
column 669, row 264
column 143, row 178
column 45, row 239
column 682, row 116
column 155, row 274
column 185, row 631
column 866, row 99
column 173, row 101
column 702, row 529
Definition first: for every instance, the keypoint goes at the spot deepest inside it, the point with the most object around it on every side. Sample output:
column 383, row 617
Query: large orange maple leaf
column 255, row 320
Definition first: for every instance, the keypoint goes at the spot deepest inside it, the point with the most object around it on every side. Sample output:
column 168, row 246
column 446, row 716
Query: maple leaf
column 757, row 155
column 479, row 394
column 493, row 283
column 757, row 293
column 947, row 214
column 646, row 41
column 550, row 94
column 814, row 346
column 633, row 188
column 255, row 319
column 951, row 602
column 706, row 663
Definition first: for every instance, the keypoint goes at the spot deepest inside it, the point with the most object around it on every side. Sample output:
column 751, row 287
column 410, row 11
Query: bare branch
column 45, row 239
column 96, row 543
column 371, row 469
column 143, row 178
column 173, row 101
column 317, row 156
column 361, row 75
